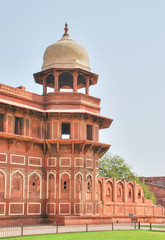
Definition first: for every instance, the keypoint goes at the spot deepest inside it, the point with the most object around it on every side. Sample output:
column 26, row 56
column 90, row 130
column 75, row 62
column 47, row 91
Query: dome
column 66, row 53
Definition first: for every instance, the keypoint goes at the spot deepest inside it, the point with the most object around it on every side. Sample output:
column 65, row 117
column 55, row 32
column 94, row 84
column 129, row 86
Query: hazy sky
column 126, row 45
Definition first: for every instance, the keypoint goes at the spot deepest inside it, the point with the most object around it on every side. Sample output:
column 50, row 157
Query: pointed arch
column 130, row 191
column 34, row 185
column 120, row 191
column 65, row 185
column 78, row 185
column 109, row 190
column 96, row 186
column 100, row 190
column 89, row 186
column 3, row 184
column 17, row 185
column 140, row 193
column 51, row 185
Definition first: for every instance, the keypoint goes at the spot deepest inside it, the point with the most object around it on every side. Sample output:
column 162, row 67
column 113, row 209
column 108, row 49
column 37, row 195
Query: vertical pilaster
column 103, row 195
column 135, row 193
column 114, row 195
column 125, row 190
column 125, row 197
column 114, row 190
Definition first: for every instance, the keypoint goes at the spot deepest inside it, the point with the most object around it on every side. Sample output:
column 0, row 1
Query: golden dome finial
column 66, row 30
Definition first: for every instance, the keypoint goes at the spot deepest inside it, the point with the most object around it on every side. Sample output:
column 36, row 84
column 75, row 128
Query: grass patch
column 106, row 235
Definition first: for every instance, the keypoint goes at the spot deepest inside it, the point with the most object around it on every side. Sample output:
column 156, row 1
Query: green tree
column 115, row 167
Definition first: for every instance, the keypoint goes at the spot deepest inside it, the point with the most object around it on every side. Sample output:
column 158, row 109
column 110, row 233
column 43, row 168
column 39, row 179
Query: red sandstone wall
column 159, row 193
column 157, row 186
column 117, row 198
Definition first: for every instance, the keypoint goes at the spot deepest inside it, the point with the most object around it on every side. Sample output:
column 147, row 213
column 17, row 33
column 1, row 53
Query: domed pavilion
column 50, row 150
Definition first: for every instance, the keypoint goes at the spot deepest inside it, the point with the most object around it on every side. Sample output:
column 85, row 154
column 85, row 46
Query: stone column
column 87, row 86
column 56, row 88
column 125, row 190
column 125, row 197
column 44, row 86
column 114, row 189
column 75, row 75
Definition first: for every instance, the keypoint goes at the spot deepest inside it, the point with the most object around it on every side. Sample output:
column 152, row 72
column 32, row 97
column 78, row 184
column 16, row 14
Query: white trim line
column 23, row 182
column 47, row 191
column 79, row 173
column 89, row 159
column 65, row 158
column 48, row 161
column 75, row 208
column 3, row 172
column 15, row 213
column 86, row 208
column 60, row 184
column 65, row 213
column 6, row 157
column 90, row 175
column 96, row 187
column 54, row 208
column 11, row 155
column 87, row 186
column 33, row 213
column 35, row 165
column 75, row 162
column 95, row 164
column 3, row 203
column 40, row 179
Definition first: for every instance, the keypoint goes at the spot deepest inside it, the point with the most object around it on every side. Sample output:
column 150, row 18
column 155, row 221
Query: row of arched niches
column 85, row 184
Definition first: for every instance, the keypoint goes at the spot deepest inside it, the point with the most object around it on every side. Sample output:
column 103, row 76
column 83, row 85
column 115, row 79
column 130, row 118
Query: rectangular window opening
column 65, row 131
column 18, row 125
column 89, row 132
column 1, row 122
column 64, row 184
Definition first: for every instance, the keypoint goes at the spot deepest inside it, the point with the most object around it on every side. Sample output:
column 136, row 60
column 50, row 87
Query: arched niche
column 34, row 186
column 78, row 186
column 2, row 184
column 120, row 192
column 89, row 187
column 65, row 185
column 51, row 184
column 65, row 81
column 100, row 197
column 109, row 191
column 130, row 192
column 17, row 185
column 140, row 194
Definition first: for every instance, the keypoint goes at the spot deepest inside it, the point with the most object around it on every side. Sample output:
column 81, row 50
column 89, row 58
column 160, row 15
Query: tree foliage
column 115, row 167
